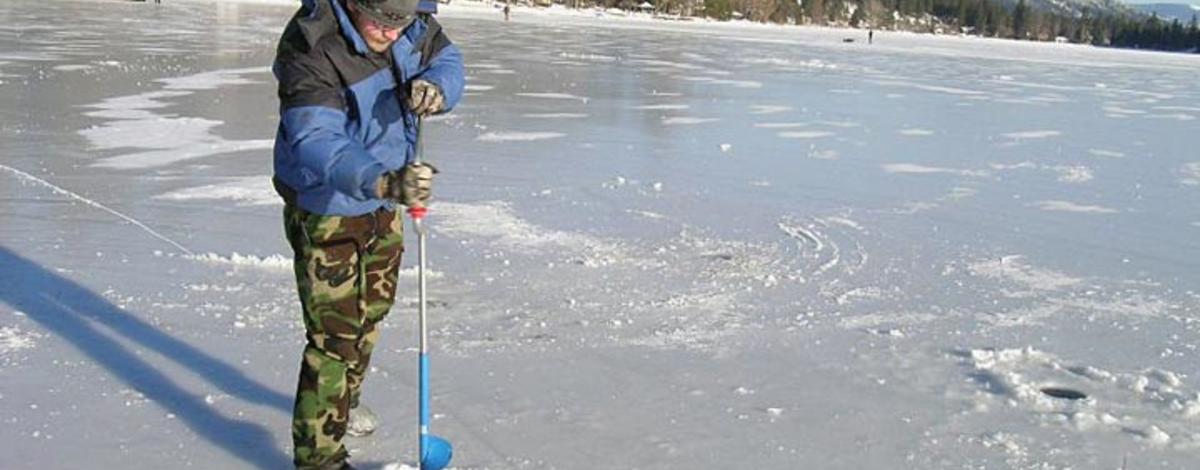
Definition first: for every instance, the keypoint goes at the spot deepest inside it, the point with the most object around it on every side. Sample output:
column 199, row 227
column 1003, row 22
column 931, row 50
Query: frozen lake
column 656, row 245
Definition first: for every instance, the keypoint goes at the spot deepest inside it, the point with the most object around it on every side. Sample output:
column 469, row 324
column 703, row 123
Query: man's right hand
column 425, row 98
column 410, row 186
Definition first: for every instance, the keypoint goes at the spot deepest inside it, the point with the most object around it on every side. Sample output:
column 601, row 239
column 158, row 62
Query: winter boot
column 362, row 421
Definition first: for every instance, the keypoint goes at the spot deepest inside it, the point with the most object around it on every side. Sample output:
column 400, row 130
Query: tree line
column 988, row 18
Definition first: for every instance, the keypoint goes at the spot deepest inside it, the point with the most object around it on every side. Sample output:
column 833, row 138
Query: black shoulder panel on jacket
column 306, row 76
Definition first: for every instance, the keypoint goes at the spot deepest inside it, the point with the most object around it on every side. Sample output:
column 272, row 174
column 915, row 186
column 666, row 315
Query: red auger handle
column 417, row 213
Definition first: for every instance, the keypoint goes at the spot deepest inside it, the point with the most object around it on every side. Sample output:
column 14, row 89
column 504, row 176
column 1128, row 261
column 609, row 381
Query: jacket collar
column 347, row 27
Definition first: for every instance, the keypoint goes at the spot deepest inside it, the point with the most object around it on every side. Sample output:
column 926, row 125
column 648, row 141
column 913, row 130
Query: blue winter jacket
column 344, row 121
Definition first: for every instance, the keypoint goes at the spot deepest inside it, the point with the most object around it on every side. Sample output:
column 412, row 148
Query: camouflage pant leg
column 346, row 271
column 380, row 267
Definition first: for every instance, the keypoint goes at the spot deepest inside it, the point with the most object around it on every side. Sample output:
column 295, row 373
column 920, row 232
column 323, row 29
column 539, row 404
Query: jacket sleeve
column 442, row 63
column 312, row 108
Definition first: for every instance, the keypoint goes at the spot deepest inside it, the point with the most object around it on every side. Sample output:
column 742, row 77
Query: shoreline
column 807, row 35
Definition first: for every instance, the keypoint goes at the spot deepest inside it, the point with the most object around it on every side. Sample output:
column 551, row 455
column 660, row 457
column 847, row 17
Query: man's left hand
column 425, row 98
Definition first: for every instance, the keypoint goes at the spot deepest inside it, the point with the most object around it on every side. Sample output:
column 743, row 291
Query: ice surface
column 654, row 244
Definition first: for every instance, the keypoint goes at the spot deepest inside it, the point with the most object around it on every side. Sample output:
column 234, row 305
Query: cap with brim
column 392, row 13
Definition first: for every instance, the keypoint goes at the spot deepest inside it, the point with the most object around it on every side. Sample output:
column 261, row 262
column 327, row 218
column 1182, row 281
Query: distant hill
column 1075, row 8
column 1169, row 11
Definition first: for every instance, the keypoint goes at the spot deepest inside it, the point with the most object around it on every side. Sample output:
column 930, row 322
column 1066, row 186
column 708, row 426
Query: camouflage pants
column 346, row 270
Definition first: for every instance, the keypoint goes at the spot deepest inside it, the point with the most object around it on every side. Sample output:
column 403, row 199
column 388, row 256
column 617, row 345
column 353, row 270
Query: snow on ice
column 653, row 245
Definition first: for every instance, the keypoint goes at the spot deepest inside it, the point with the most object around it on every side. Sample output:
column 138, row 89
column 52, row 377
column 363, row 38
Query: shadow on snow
column 76, row 314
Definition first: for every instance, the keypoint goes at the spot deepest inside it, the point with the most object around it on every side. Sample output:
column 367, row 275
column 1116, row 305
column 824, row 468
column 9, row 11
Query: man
column 354, row 76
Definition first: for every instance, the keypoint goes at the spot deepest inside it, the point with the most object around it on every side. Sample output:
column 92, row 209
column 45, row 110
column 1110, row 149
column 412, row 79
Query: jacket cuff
column 370, row 177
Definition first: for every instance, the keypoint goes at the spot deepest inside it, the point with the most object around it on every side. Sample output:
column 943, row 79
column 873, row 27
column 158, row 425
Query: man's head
column 380, row 22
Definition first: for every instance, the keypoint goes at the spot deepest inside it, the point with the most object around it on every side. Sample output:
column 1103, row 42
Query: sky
column 1184, row 2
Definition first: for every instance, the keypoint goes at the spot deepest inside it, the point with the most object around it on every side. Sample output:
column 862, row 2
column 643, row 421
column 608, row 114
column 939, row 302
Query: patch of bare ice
column 915, row 169
column 933, row 88
column 646, row 214
column 841, row 124
column 249, row 191
column 1190, row 173
column 1067, row 206
column 686, row 120
column 668, row 64
column 823, row 154
column 1014, row 269
column 768, row 109
column 555, row 115
column 1031, row 316
column 1025, row 135
column 554, row 96
column 498, row 221
column 1073, row 174
column 804, row 134
column 1114, row 109
column 790, row 64
column 663, row 107
column 205, row 144
column 737, row 83
column 129, row 107
column 1026, row 165
column 518, row 136
column 214, row 79
column 1066, row 173
column 960, row 192
column 72, row 67
column 780, row 125
column 587, row 56
column 1172, row 116
column 892, row 320
column 1106, row 153
column 1124, row 305
column 167, row 138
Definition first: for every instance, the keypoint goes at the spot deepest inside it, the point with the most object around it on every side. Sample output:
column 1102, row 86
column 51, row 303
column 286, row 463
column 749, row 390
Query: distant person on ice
column 350, row 92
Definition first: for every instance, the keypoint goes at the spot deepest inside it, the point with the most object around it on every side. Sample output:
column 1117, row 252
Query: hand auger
column 434, row 452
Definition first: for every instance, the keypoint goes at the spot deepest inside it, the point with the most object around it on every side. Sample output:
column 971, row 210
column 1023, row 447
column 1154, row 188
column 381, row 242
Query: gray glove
column 425, row 98
column 410, row 186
